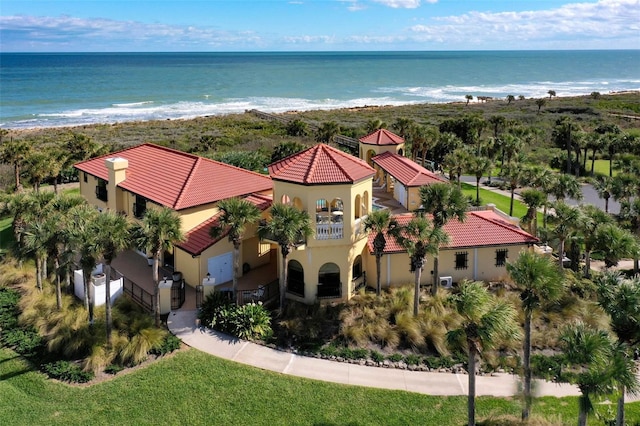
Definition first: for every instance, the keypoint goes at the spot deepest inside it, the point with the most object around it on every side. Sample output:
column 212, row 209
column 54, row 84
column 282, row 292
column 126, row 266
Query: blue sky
column 316, row 25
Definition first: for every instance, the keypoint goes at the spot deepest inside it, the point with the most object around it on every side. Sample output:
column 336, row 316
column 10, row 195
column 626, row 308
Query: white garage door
column 221, row 268
column 400, row 193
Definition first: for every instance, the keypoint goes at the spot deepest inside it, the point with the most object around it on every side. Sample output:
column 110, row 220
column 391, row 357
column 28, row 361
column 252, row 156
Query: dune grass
column 195, row 388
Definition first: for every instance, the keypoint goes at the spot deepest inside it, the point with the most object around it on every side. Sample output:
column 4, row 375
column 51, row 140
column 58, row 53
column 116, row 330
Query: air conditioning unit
column 446, row 282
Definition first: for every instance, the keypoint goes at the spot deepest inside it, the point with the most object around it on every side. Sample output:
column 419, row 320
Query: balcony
column 329, row 231
column 101, row 193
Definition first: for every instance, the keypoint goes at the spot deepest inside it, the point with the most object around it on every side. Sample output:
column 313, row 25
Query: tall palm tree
column 327, row 132
column 534, row 199
column 620, row 298
column 614, row 243
column 420, row 239
column 289, row 227
column 83, row 241
column 469, row 98
column 604, row 187
column 513, row 174
column 375, row 124
column 35, row 240
column 403, row 126
column 379, row 222
column 113, row 236
column 566, row 186
column 485, row 321
column 456, row 162
column 478, row 166
column 538, row 281
column 510, row 98
column 594, row 365
column 445, row 202
column 540, row 103
column 15, row 152
column 565, row 219
column 592, row 219
column 237, row 213
column 158, row 231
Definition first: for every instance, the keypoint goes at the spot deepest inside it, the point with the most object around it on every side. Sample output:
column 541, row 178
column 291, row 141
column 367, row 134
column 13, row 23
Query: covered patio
column 255, row 285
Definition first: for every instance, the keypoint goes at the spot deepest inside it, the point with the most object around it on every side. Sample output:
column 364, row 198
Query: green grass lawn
column 601, row 167
column 491, row 197
column 195, row 388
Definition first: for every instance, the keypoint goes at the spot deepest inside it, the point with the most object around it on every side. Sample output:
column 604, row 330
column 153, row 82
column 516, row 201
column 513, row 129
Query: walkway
column 182, row 324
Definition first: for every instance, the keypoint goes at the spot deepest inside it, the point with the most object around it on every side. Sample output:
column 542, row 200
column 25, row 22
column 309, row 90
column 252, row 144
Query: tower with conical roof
column 378, row 142
column 335, row 188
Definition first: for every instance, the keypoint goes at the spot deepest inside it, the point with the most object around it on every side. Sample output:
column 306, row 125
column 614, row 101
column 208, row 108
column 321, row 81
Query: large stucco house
column 338, row 190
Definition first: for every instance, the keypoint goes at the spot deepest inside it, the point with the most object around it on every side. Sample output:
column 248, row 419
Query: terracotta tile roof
column 382, row 137
column 320, row 164
column 480, row 229
column 405, row 170
column 198, row 240
column 176, row 179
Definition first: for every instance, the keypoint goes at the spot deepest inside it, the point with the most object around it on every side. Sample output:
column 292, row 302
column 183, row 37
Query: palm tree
column 551, row 93
column 380, row 222
column 592, row 219
column 469, row 98
column 566, row 219
column 614, row 243
column 403, row 126
column 510, row 98
column 534, row 199
column 237, row 213
column 478, row 166
column 445, row 202
column 513, row 175
column 485, row 321
column 540, row 103
column 604, row 187
column 327, row 132
column 620, row 298
column 15, row 153
column 289, row 227
column 456, row 162
column 158, row 231
column 538, row 281
column 83, row 241
column 113, row 236
column 589, row 354
column 35, row 240
column 420, row 239
column 566, row 186
column 375, row 124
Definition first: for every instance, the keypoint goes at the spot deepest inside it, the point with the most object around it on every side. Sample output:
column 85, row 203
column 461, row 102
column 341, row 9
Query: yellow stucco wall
column 88, row 191
column 367, row 151
column 481, row 266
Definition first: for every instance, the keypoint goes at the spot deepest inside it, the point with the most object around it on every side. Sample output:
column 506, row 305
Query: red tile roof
column 176, row 179
column 198, row 240
column 320, row 164
column 480, row 229
column 382, row 137
column 405, row 170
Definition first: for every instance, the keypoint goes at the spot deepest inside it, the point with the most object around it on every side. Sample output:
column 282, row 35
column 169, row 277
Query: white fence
column 97, row 288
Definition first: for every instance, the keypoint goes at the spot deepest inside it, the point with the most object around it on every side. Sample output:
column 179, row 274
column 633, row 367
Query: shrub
column 113, row 369
column 8, row 308
column 376, row 356
column 169, row 344
column 251, row 321
column 25, row 341
column 329, row 350
column 67, row 371
column 395, row 357
column 412, row 359
column 546, row 367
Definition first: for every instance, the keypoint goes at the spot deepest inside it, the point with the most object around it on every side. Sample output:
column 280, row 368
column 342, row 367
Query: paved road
column 589, row 194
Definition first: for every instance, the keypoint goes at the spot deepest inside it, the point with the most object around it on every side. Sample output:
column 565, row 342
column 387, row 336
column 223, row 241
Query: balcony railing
column 329, row 231
column 101, row 193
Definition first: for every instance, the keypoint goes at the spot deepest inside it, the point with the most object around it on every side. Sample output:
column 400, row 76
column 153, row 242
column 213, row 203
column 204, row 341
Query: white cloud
column 605, row 19
column 400, row 4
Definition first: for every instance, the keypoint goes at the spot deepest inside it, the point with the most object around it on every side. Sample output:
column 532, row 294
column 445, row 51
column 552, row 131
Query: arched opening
column 370, row 154
column 329, row 285
column 285, row 199
column 357, row 275
column 295, row 278
column 365, row 204
column 358, row 208
column 297, row 203
column 400, row 151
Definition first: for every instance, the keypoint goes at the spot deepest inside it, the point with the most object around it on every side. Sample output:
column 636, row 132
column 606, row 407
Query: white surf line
column 289, row 364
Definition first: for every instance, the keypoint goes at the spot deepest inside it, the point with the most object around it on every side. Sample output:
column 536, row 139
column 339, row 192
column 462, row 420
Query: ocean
column 49, row 90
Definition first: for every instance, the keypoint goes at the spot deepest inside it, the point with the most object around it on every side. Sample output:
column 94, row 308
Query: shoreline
column 476, row 102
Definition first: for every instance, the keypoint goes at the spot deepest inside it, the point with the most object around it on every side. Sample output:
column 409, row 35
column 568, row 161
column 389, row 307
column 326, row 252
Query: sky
column 316, row 25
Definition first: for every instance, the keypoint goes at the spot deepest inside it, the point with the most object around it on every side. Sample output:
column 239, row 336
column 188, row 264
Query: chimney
column 117, row 168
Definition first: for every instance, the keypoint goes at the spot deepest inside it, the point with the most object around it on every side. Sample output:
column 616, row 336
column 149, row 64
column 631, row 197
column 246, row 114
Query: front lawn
column 195, row 388
column 502, row 202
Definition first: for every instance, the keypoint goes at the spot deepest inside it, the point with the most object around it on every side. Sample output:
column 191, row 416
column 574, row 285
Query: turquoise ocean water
column 43, row 90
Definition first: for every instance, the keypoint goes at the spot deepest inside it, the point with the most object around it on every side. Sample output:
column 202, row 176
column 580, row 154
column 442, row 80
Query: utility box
column 165, row 296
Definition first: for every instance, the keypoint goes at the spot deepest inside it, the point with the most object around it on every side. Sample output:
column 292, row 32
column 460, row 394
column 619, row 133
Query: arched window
column 285, row 199
column 400, row 151
column 357, row 268
column 370, row 154
column 357, row 210
column 329, row 285
column 365, row 204
column 295, row 278
column 297, row 203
